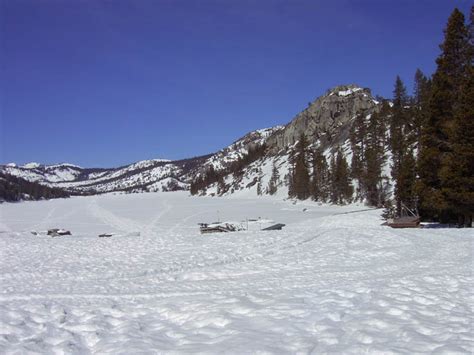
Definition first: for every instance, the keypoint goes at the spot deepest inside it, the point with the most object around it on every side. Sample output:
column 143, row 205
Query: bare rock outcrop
column 327, row 120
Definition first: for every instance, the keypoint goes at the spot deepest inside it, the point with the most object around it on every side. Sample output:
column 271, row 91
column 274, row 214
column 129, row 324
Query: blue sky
column 106, row 83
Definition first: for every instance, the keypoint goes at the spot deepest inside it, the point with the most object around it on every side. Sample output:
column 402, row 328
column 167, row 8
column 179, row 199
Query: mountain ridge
column 326, row 122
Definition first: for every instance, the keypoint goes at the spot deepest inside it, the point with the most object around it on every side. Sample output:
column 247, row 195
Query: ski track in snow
column 327, row 283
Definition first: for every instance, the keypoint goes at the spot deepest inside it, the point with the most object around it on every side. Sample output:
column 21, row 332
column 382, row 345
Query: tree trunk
column 468, row 220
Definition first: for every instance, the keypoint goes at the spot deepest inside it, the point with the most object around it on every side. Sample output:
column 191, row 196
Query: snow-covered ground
column 327, row 283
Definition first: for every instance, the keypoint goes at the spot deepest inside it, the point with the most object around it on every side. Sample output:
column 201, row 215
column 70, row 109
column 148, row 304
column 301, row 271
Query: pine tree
column 421, row 94
column 457, row 172
column 404, row 188
column 357, row 140
column 398, row 143
column 333, row 193
column 374, row 158
column 273, row 182
column 289, row 180
column 341, row 188
column 344, row 184
column 319, row 176
column 221, row 186
column 435, row 148
column 300, row 173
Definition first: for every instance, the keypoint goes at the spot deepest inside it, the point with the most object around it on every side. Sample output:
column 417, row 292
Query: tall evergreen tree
column 405, row 184
column 435, row 147
column 398, row 142
column 421, row 94
column 319, row 176
column 341, row 187
column 457, row 171
column 334, row 191
column 300, row 173
column 374, row 158
column 273, row 182
column 357, row 141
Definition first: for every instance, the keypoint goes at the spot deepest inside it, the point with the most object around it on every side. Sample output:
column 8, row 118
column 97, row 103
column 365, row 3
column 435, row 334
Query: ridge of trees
column 310, row 175
column 13, row 188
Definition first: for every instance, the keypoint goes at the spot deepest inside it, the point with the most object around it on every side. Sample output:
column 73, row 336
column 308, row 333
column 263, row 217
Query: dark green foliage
column 420, row 100
column 320, row 176
column 398, row 120
column 405, row 183
column 441, row 134
column 374, row 158
column 401, row 137
column 368, row 139
column 300, row 176
column 457, row 171
column 341, row 187
column 357, row 139
column 13, row 188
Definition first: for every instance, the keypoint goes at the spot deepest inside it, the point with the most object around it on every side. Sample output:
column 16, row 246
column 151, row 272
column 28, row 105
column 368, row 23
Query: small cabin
column 404, row 222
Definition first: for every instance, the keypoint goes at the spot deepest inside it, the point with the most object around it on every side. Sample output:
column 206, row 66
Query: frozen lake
column 328, row 282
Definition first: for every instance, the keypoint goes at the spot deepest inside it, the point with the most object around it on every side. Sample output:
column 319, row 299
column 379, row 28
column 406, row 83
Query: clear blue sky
column 105, row 83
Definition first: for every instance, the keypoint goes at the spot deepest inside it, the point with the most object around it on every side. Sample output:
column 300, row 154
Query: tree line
column 13, row 189
column 311, row 176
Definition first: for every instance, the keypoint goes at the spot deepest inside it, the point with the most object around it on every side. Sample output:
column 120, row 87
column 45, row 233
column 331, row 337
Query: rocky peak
column 346, row 90
column 327, row 119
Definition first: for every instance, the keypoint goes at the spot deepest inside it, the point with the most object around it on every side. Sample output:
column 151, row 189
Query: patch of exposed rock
column 327, row 119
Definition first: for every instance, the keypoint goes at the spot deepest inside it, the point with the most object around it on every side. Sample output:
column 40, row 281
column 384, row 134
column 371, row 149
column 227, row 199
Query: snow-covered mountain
column 146, row 175
column 326, row 122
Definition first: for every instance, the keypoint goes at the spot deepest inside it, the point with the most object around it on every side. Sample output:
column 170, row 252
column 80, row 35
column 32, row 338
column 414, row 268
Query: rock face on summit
column 327, row 119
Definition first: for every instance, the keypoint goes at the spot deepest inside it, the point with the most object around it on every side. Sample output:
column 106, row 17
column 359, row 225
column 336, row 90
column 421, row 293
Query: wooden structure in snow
column 409, row 219
column 404, row 222
column 56, row 232
column 216, row 228
column 275, row 227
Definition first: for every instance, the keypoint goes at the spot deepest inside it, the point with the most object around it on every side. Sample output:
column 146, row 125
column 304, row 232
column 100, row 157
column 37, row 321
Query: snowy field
column 327, row 283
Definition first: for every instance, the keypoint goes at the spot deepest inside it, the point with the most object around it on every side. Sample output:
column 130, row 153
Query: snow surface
column 31, row 165
column 327, row 283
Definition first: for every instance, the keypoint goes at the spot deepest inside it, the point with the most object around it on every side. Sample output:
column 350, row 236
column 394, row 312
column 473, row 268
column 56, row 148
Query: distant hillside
column 13, row 188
